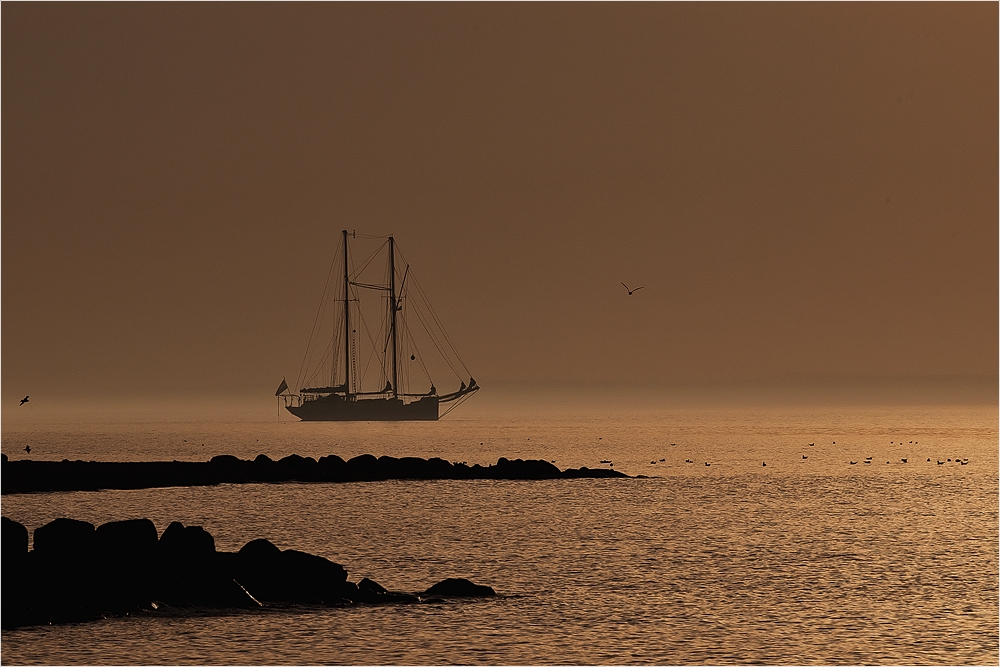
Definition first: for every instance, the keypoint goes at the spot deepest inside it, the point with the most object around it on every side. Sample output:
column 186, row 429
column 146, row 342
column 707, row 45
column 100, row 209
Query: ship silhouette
column 346, row 394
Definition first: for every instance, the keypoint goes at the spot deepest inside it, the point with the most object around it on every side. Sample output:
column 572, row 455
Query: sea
column 760, row 534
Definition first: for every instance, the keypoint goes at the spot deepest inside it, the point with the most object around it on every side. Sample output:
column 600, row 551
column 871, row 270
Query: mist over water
column 807, row 560
column 805, row 193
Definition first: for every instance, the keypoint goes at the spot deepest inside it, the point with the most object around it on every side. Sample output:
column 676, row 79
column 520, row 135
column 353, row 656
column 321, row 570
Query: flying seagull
column 23, row 401
column 631, row 291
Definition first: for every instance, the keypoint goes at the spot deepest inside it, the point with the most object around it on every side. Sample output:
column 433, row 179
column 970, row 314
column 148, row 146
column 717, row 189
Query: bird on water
column 631, row 291
column 23, row 401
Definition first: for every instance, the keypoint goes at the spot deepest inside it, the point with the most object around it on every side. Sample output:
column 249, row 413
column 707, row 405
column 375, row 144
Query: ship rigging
column 349, row 373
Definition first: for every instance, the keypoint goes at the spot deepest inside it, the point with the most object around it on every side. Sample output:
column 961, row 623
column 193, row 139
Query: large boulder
column 331, row 468
column 458, row 588
column 363, row 468
column 127, row 540
column 13, row 542
column 64, row 539
column 274, row 576
column 61, row 572
column 192, row 574
column 312, row 578
column 298, row 468
column 186, row 544
column 124, row 565
column 14, row 563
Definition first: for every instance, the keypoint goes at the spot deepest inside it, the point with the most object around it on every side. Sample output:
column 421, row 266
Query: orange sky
column 805, row 190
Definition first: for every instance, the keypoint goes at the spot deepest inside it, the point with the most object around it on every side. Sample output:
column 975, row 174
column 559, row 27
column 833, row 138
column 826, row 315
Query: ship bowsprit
column 338, row 387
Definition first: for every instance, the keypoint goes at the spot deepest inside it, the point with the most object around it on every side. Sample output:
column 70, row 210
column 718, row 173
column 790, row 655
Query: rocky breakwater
column 76, row 572
column 26, row 476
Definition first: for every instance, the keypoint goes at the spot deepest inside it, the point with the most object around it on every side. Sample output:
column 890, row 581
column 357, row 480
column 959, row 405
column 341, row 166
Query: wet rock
column 363, row 468
column 131, row 539
column 331, row 468
column 226, row 461
column 438, row 468
column 372, row 592
column 28, row 476
column 124, row 564
column 228, row 468
column 61, row 538
column 370, row 586
column 592, row 473
column 274, row 576
column 14, row 563
column 79, row 573
column 531, row 469
column 13, row 542
column 312, row 578
column 458, row 588
column 298, row 468
column 193, row 574
column 186, row 543
column 62, row 581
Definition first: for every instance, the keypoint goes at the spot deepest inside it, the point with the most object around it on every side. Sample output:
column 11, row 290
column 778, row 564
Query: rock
column 371, row 592
column 62, row 581
column 312, row 578
column 370, row 586
column 27, row 476
column 531, row 469
column 134, row 538
column 363, row 468
column 124, row 564
column 78, row 573
column 299, row 468
column 459, row 588
column 257, row 570
column 271, row 575
column 186, row 543
column 193, row 574
column 331, row 468
column 13, row 541
column 571, row 473
column 14, row 563
column 390, row 468
column 62, row 538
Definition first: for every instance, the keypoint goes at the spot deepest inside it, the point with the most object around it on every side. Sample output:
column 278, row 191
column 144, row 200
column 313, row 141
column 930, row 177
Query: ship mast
column 347, row 324
column 392, row 305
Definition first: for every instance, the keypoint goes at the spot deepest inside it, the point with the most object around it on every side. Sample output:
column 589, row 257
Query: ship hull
column 336, row 408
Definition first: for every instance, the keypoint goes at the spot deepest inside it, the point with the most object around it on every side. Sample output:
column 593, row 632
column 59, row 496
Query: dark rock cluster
column 24, row 476
column 77, row 572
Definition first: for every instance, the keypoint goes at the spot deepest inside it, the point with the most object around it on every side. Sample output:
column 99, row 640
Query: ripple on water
column 727, row 564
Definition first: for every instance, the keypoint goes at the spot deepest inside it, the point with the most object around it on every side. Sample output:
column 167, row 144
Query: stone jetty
column 27, row 476
column 76, row 572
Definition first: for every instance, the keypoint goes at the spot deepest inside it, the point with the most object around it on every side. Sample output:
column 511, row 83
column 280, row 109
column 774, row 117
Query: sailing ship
column 339, row 388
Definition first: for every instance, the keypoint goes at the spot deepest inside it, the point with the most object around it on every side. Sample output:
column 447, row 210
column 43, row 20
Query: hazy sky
column 804, row 190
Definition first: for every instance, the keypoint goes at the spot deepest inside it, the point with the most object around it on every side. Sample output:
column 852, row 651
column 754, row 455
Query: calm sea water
column 807, row 560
